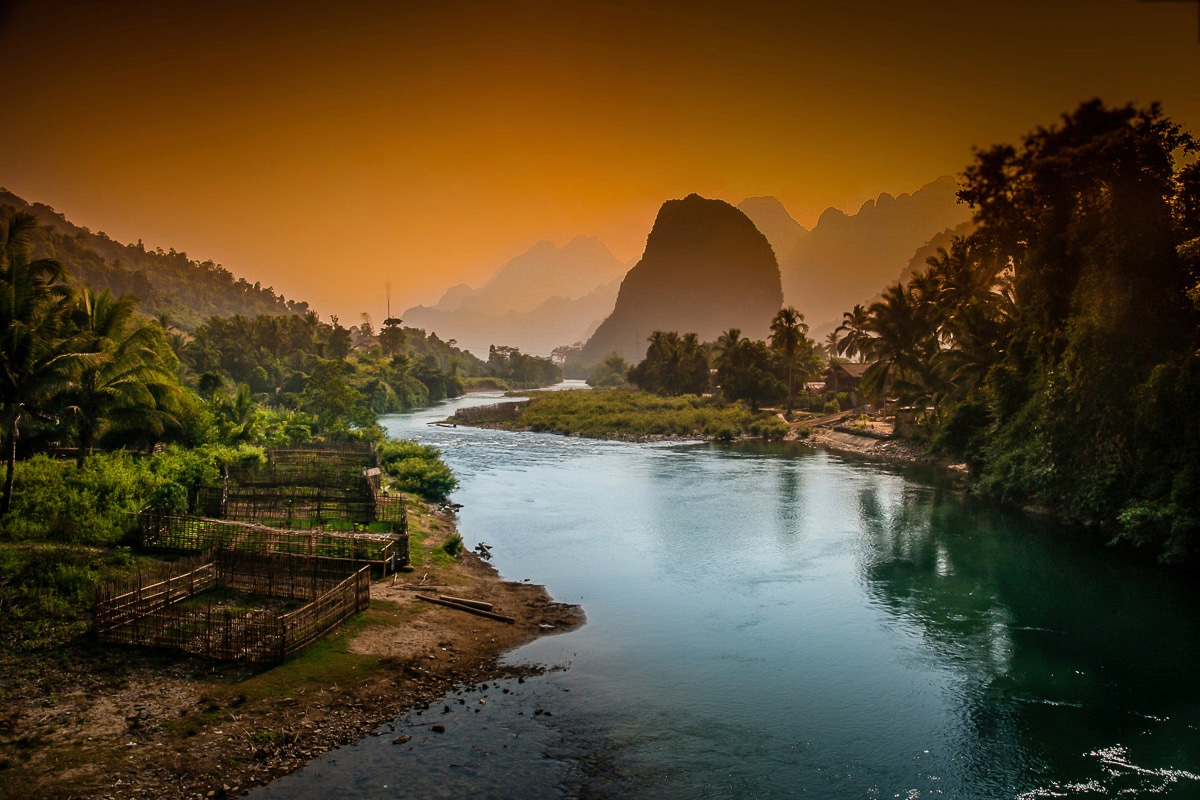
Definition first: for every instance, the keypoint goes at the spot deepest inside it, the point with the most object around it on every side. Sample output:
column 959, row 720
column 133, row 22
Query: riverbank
column 91, row 721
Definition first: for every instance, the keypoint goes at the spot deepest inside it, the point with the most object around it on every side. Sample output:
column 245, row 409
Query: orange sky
column 327, row 148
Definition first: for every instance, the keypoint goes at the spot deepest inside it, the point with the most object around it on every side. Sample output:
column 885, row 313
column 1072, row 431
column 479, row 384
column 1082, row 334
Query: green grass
column 426, row 537
column 47, row 590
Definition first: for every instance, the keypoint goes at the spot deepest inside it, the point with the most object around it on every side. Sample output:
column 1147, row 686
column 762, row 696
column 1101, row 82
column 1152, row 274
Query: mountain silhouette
column 849, row 258
column 706, row 268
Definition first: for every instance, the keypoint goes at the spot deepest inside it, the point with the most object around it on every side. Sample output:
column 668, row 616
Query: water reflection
column 769, row 621
column 1048, row 639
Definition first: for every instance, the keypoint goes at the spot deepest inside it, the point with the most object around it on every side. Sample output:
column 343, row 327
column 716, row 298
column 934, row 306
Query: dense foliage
column 1057, row 348
column 739, row 369
column 521, row 371
column 417, row 468
column 149, row 415
column 168, row 283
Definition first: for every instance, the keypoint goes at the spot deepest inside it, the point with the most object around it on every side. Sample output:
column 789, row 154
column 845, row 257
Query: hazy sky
column 327, row 148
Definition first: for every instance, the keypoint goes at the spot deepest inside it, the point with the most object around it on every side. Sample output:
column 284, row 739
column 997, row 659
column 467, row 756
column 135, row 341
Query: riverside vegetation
column 78, row 719
column 617, row 413
column 105, row 412
column 1055, row 350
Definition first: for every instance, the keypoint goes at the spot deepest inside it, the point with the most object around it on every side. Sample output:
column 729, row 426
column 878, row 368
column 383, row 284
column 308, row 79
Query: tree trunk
column 11, row 465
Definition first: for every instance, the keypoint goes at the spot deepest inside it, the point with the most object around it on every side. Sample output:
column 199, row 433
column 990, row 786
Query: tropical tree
column 391, row 335
column 830, row 347
column 789, row 339
column 330, row 396
column 748, row 372
column 856, row 342
column 673, row 365
column 725, row 348
column 902, row 347
column 128, row 384
column 612, row 371
column 36, row 360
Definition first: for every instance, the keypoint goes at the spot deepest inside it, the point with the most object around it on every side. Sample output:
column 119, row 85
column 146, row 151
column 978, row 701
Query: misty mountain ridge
column 706, row 268
column 555, row 321
column 534, row 302
column 849, row 258
column 541, row 272
column 770, row 217
column 545, row 297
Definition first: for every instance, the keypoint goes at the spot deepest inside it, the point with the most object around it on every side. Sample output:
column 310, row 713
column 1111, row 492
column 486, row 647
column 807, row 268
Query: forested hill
column 169, row 282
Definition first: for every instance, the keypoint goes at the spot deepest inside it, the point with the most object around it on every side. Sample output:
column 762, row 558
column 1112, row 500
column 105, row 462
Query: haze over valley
column 549, row 296
column 599, row 399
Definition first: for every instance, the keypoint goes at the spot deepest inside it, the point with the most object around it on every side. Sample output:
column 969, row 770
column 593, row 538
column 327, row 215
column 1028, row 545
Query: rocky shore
column 91, row 721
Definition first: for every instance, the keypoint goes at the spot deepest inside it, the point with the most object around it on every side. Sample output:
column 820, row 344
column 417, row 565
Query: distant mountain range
column 187, row 291
column 551, row 296
column 847, row 259
column 706, row 269
column 545, row 297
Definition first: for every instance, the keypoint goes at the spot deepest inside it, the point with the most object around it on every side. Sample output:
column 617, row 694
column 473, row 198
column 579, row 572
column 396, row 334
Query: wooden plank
column 477, row 611
column 482, row 606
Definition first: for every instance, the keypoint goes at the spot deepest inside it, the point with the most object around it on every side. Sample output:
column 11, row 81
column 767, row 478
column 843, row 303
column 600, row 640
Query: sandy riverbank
column 90, row 721
column 881, row 447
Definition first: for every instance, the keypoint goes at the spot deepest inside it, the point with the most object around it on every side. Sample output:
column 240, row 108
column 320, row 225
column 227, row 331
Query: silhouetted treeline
column 1057, row 348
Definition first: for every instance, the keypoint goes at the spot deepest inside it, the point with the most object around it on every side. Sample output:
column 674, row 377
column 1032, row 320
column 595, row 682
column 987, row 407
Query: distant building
column 844, row 377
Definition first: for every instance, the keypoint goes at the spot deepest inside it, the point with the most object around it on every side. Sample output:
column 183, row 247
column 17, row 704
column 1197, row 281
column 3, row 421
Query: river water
column 770, row 621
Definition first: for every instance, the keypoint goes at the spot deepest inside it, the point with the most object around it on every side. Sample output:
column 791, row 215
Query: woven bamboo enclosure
column 491, row 413
column 324, row 501
column 172, row 533
column 309, row 487
column 166, row 606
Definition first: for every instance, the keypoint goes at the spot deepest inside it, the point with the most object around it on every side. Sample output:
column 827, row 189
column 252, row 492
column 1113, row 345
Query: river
column 770, row 621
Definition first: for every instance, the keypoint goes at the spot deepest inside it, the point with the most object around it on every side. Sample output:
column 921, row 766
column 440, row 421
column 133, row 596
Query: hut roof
column 852, row 369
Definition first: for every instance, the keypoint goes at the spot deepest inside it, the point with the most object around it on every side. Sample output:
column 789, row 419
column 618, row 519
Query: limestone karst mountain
column 545, row 297
column 706, row 268
column 849, row 258
column 770, row 217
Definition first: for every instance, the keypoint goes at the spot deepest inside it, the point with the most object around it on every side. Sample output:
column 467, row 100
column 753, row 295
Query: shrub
column 453, row 546
column 417, row 468
column 770, row 428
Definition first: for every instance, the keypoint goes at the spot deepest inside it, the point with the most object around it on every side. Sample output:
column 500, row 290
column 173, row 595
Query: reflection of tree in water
column 1055, row 650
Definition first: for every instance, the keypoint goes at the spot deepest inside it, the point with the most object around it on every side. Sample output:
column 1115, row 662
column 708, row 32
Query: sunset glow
column 328, row 149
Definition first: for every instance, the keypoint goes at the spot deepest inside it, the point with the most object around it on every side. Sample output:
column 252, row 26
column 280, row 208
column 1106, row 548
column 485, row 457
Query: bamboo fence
column 150, row 608
column 177, row 533
column 491, row 413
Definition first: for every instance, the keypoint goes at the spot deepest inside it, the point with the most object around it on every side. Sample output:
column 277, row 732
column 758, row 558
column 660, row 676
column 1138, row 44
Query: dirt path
column 90, row 721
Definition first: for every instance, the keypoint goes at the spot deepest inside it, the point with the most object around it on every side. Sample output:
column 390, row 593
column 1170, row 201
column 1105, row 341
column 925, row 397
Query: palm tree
column 725, row 347
column 858, row 343
column 673, row 365
column 830, row 347
column 904, row 346
column 788, row 333
column 127, row 385
column 35, row 363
